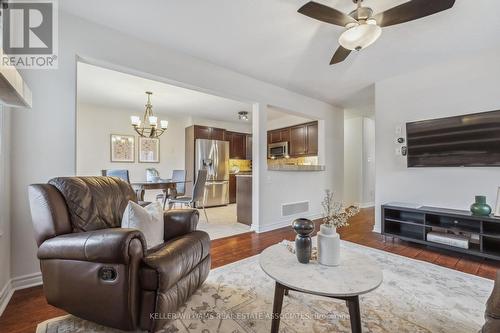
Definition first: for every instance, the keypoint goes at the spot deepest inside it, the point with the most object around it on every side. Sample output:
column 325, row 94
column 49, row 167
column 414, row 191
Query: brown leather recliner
column 98, row 271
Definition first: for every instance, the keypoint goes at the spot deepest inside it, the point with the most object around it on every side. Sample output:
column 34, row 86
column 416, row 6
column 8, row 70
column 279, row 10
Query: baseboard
column 366, row 204
column 5, row 296
column 18, row 283
column 26, row 281
column 283, row 222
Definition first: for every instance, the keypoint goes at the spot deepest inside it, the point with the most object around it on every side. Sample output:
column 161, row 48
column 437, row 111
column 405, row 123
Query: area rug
column 415, row 297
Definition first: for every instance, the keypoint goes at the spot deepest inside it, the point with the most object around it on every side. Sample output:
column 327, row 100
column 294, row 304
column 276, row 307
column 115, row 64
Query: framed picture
column 149, row 150
column 122, row 148
column 497, row 207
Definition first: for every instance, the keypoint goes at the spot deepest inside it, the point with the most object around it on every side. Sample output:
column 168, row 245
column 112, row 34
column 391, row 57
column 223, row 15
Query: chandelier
column 148, row 128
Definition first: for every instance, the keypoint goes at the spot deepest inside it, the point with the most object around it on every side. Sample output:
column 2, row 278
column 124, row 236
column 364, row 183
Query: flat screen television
column 471, row 140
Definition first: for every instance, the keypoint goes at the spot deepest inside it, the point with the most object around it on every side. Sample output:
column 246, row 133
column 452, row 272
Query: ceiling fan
column 363, row 28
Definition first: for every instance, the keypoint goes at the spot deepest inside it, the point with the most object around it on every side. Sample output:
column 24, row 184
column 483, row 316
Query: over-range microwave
column 277, row 150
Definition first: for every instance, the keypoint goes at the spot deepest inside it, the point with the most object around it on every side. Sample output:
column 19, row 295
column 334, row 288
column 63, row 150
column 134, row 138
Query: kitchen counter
column 285, row 167
column 244, row 198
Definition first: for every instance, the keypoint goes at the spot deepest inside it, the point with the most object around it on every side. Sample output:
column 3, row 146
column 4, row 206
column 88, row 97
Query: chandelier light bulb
column 153, row 121
column 360, row 36
column 135, row 120
column 164, row 124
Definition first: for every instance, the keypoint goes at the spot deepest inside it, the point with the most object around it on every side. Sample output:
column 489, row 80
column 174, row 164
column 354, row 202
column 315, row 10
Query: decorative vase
column 303, row 242
column 328, row 246
column 480, row 207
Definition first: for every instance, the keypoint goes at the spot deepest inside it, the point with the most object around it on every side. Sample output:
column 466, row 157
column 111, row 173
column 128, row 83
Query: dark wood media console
column 413, row 225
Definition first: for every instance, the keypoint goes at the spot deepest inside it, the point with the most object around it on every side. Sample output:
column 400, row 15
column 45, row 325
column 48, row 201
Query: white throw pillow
column 149, row 220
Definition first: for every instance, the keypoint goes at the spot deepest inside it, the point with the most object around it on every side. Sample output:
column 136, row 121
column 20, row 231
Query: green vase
column 480, row 207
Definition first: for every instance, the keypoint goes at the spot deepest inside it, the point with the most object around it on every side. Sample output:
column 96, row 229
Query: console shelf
column 413, row 225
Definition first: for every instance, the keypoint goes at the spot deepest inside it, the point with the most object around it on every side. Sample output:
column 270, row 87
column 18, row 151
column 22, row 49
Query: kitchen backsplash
column 242, row 165
column 308, row 160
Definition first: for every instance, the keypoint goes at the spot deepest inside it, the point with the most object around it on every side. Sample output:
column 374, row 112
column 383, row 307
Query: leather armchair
column 98, row 271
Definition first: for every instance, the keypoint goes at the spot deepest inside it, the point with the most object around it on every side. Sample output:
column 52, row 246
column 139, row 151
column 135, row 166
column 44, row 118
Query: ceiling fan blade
column 412, row 10
column 326, row 14
column 340, row 55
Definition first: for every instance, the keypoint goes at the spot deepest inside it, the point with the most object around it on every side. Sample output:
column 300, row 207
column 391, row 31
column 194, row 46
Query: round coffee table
column 357, row 274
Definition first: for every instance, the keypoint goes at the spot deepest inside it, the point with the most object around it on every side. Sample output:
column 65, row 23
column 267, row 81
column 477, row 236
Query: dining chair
column 123, row 175
column 198, row 195
column 178, row 176
column 120, row 173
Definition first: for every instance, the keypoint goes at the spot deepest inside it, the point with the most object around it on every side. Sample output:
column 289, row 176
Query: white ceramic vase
column 328, row 246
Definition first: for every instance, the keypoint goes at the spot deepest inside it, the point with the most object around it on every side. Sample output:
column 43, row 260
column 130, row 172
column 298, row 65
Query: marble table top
column 357, row 274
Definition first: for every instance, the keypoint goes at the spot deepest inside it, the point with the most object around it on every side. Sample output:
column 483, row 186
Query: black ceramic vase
column 303, row 242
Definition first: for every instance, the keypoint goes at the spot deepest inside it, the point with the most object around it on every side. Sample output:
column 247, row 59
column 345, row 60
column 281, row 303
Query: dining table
column 163, row 184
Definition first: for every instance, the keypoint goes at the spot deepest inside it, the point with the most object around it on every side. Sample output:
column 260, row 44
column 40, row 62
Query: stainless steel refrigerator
column 213, row 155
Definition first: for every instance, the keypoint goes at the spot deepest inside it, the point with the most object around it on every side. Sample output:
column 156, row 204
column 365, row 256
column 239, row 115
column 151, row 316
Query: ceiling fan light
column 360, row 36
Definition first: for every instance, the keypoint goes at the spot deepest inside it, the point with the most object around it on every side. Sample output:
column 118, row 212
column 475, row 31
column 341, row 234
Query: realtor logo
column 29, row 36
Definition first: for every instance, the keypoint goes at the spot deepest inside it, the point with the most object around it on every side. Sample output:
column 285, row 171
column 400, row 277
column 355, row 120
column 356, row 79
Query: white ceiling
column 269, row 40
column 111, row 89
column 106, row 88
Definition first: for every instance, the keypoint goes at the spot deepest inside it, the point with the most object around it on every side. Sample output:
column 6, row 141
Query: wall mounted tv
column 471, row 140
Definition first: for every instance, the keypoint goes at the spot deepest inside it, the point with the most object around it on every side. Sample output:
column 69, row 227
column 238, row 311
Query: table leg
column 279, row 291
column 354, row 313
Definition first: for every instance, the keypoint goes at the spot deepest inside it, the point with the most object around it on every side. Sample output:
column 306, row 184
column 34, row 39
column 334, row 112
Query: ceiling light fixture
column 152, row 130
column 360, row 35
column 243, row 115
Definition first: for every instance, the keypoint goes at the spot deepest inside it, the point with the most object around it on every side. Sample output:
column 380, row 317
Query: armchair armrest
column 102, row 246
column 179, row 222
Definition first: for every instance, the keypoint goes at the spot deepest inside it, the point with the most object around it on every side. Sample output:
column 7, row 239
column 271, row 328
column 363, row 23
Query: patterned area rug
column 415, row 297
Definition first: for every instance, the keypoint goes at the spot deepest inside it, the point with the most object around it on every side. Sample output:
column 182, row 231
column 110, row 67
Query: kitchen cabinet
column 312, row 139
column 244, row 198
column 302, row 139
column 280, row 135
column 248, row 147
column 237, row 144
column 298, row 141
column 209, row 133
column 232, row 188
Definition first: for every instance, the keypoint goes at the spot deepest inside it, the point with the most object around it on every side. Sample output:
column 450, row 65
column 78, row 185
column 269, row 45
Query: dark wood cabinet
column 285, row 135
column 312, row 139
column 209, row 133
column 232, row 188
column 237, row 141
column 244, row 199
column 275, row 136
column 280, row 135
column 237, row 144
column 302, row 139
column 202, row 132
column 248, row 147
column 298, row 141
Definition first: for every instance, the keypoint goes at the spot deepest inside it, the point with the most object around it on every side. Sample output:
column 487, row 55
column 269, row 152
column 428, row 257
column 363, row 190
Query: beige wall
column 96, row 124
column 5, row 243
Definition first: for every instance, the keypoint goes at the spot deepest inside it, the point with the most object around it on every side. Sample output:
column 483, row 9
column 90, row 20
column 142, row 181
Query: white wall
column 448, row 89
column 96, row 124
column 4, row 204
column 368, row 163
column 353, row 160
column 359, row 160
column 242, row 127
column 286, row 121
column 45, row 135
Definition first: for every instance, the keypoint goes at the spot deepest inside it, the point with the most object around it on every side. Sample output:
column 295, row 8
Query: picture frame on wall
column 497, row 206
column 122, row 148
column 149, row 150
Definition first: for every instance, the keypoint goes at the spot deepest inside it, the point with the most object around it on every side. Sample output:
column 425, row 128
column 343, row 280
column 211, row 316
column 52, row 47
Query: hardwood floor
column 28, row 307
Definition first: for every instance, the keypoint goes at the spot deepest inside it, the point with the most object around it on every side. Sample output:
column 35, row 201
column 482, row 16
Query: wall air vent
column 294, row 208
